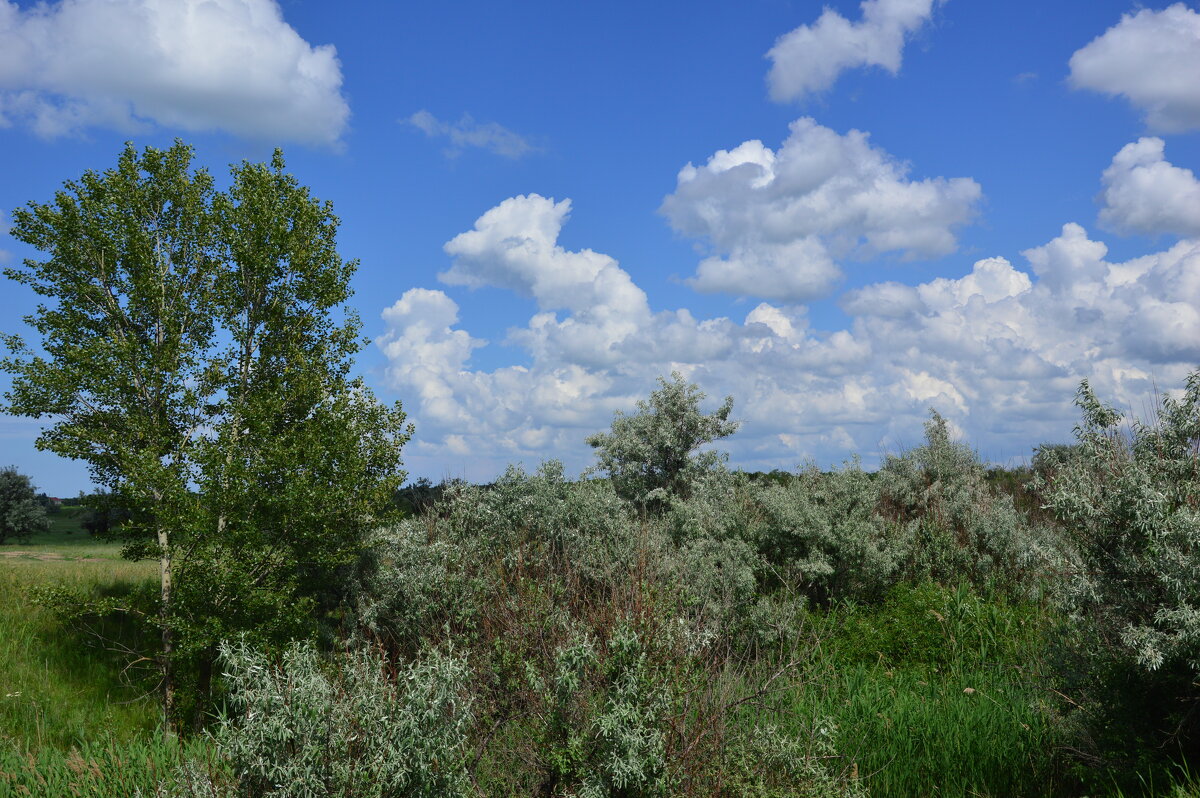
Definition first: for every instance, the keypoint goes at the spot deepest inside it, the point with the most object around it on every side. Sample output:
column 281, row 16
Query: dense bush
column 821, row 531
column 304, row 727
column 955, row 526
column 602, row 639
column 1130, row 496
column 651, row 455
column 617, row 630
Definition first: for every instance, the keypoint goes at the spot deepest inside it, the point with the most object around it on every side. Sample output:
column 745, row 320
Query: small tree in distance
column 649, row 454
column 21, row 514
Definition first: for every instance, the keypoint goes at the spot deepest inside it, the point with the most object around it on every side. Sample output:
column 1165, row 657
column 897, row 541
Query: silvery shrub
column 307, row 727
column 1130, row 496
column 952, row 526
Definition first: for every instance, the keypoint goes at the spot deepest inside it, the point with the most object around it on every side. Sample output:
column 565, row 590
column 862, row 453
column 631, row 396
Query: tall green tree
column 21, row 514
column 196, row 351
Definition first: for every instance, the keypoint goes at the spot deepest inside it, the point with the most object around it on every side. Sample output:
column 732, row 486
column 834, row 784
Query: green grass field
column 58, row 687
column 66, row 539
column 73, row 720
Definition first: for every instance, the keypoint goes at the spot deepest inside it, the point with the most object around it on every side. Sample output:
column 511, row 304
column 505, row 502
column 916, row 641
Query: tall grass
column 1176, row 782
column 937, row 692
column 953, row 732
column 140, row 766
column 58, row 687
column 74, row 721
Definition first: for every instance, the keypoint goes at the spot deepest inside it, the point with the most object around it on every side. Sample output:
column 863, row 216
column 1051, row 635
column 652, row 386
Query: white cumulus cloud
column 1000, row 350
column 810, row 58
column 780, row 220
column 196, row 65
column 1144, row 193
column 466, row 133
column 1152, row 58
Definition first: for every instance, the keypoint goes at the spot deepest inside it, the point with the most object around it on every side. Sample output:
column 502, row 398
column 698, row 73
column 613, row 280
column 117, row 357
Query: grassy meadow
column 61, row 688
column 75, row 719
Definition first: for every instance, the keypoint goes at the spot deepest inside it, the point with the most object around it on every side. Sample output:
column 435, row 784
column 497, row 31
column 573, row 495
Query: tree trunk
column 164, row 614
column 204, row 676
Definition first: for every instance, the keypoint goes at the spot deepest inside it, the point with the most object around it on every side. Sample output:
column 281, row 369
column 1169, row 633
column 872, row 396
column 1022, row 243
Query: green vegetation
column 75, row 719
column 940, row 691
column 815, row 633
column 1131, row 497
column 111, row 768
column 673, row 628
column 650, row 456
column 57, row 688
column 60, row 689
column 21, row 515
column 195, row 351
column 60, row 692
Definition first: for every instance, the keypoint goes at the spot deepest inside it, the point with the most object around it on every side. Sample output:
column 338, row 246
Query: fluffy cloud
column 1152, row 58
column 582, row 362
column 810, row 58
column 779, row 220
column 514, row 246
column 999, row 350
column 467, row 133
column 1143, row 193
column 232, row 65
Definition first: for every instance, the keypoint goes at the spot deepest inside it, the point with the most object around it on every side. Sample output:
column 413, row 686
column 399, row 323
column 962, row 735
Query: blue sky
column 842, row 214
